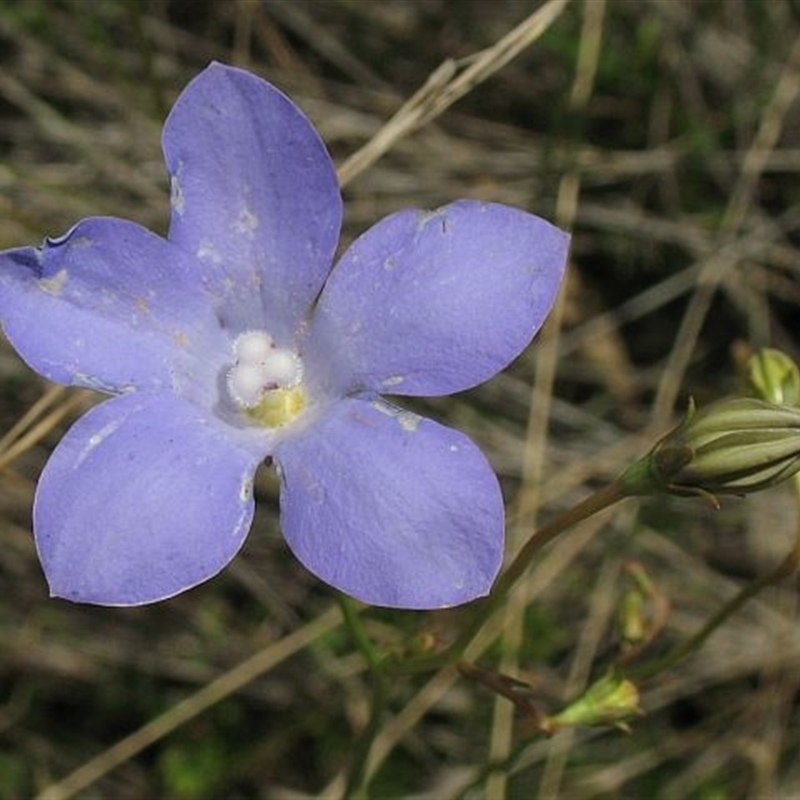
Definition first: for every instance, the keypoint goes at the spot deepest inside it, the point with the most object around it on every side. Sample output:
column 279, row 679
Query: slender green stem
column 602, row 498
column 356, row 777
column 355, row 627
column 484, row 609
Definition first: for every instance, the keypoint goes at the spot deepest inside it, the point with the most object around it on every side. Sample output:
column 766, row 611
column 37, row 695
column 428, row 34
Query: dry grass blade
column 446, row 85
column 717, row 269
column 14, row 446
column 52, row 394
column 212, row 693
column 539, row 421
column 664, row 135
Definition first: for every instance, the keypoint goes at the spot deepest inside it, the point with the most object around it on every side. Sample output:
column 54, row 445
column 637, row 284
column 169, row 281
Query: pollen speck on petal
column 54, row 284
column 176, row 199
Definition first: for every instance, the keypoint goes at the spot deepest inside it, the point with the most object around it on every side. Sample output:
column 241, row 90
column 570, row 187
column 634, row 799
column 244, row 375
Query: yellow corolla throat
column 266, row 381
column 277, row 407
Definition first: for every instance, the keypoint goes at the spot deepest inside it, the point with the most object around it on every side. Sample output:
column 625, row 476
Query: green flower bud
column 771, row 375
column 733, row 446
column 612, row 700
column 632, row 617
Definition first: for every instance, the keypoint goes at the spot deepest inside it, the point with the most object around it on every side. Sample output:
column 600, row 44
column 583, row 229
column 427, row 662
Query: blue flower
column 233, row 341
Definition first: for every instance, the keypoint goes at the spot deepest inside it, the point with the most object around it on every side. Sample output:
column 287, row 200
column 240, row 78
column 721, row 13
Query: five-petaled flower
column 233, row 341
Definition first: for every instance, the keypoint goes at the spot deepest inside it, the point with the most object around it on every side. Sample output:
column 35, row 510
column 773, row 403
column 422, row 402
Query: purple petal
column 143, row 498
column 433, row 303
column 111, row 306
column 391, row 508
column 254, row 196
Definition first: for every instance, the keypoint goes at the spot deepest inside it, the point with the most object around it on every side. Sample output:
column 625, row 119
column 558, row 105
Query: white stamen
column 246, row 383
column 282, row 368
column 252, row 347
column 260, row 367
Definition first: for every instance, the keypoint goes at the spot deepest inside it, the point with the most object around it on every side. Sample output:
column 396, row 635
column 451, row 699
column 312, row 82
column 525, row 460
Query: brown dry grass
column 664, row 134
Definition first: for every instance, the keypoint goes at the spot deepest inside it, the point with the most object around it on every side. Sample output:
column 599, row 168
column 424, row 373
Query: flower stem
column 787, row 567
column 484, row 609
column 356, row 775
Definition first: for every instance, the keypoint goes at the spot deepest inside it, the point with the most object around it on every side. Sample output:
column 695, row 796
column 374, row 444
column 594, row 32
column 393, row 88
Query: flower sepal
column 735, row 446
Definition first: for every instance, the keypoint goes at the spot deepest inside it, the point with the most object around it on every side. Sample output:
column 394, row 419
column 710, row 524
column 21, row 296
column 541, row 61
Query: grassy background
column 664, row 134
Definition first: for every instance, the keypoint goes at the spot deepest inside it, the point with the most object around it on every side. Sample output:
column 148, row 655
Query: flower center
column 266, row 381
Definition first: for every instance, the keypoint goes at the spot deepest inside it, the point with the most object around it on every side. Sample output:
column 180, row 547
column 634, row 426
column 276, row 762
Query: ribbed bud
column 733, row 446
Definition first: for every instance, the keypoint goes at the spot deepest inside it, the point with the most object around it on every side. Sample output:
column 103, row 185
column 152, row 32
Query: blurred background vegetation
column 666, row 135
